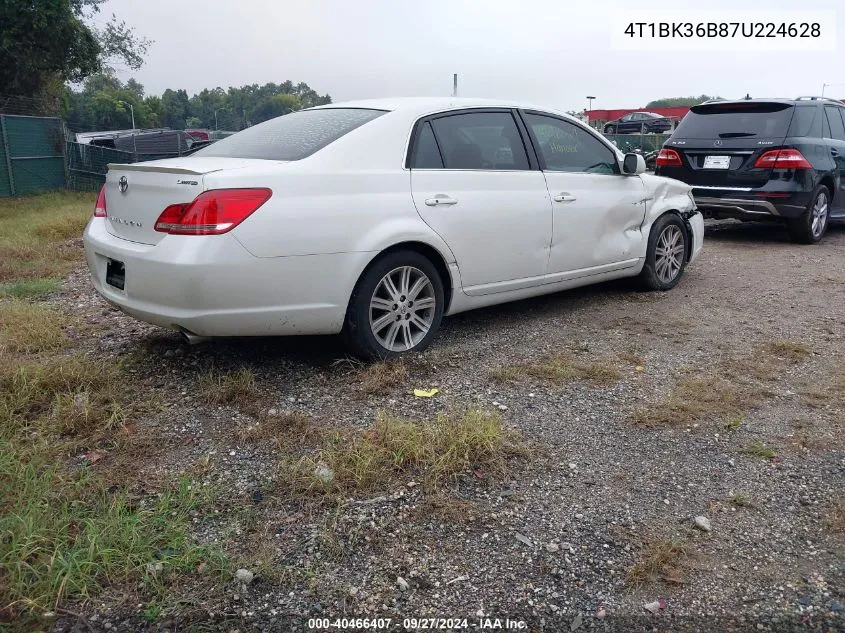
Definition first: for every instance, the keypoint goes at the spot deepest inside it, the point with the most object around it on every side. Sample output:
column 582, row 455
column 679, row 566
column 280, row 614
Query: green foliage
column 671, row 102
column 101, row 104
column 45, row 44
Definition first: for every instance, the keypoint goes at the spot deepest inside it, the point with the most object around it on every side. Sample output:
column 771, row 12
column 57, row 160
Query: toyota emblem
column 123, row 184
column 715, row 144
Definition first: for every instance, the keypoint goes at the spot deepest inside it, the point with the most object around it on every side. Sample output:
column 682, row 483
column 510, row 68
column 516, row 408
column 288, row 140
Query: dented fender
column 668, row 195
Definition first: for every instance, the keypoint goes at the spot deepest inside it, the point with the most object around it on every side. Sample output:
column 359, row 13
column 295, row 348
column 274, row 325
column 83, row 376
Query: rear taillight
column 212, row 212
column 783, row 159
column 100, row 206
column 668, row 158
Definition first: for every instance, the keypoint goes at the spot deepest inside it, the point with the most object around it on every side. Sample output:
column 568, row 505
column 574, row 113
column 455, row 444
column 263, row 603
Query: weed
column 381, row 377
column 229, row 388
column 739, row 500
column 28, row 328
column 756, row 449
column 433, row 451
column 561, row 368
column 697, row 399
column 659, row 560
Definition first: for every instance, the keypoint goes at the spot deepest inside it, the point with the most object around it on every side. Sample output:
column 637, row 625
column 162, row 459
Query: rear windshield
column 736, row 120
column 292, row 136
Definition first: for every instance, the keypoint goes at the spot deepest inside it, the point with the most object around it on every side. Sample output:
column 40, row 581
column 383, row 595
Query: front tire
column 666, row 256
column 609, row 129
column 811, row 226
column 396, row 307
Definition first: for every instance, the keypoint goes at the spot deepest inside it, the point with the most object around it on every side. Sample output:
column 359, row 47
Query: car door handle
column 440, row 200
column 834, row 153
column 564, row 197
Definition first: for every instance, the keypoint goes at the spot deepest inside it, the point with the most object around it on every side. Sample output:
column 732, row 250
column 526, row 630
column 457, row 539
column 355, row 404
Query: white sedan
column 375, row 218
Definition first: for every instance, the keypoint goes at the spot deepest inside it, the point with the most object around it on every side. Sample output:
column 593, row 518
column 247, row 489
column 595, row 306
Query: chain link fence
column 642, row 142
column 31, row 154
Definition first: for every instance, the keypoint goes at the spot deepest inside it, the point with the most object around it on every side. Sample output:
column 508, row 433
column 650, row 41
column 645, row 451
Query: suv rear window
column 293, row 136
column 736, row 120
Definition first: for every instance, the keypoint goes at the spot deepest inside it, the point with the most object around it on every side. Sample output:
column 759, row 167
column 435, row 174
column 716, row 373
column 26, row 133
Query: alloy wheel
column 402, row 308
column 669, row 253
column 819, row 215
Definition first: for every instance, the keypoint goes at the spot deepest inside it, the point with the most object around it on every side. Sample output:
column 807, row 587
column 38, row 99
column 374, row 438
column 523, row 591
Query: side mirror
column 633, row 164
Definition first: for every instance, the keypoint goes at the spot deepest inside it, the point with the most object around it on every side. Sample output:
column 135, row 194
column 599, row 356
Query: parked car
column 639, row 122
column 374, row 219
column 764, row 159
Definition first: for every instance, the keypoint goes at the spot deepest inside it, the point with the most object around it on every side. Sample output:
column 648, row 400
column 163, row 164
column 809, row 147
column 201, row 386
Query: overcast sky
column 551, row 53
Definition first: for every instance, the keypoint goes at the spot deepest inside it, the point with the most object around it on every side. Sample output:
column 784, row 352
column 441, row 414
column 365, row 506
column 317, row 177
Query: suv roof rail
column 814, row 98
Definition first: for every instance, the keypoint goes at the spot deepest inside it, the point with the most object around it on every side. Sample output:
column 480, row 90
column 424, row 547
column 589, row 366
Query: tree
column 679, row 101
column 47, row 43
column 277, row 105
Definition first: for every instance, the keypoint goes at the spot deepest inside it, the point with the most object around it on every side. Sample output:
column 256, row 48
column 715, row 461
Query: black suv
column 763, row 159
column 638, row 122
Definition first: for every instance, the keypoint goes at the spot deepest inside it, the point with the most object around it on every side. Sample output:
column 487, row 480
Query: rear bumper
column 746, row 207
column 215, row 287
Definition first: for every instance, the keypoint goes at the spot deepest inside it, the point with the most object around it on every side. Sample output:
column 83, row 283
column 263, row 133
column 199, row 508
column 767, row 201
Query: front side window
column 293, row 136
column 480, row 140
column 566, row 147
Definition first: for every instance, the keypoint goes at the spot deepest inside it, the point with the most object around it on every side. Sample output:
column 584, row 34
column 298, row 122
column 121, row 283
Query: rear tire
column 396, row 307
column 811, row 226
column 666, row 256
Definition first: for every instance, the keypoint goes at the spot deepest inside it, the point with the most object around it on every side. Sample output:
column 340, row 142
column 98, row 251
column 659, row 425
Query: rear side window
column 426, row 154
column 736, row 120
column 480, row 140
column 805, row 122
column 566, row 147
column 834, row 119
column 293, row 136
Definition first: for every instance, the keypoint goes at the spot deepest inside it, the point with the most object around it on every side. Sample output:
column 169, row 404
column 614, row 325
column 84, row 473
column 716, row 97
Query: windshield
column 292, row 136
column 735, row 120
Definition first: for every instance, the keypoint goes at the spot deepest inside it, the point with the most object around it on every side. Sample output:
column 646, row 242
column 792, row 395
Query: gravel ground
column 552, row 544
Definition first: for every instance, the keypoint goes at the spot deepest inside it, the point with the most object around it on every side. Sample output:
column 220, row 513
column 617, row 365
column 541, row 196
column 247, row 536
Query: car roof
column 422, row 105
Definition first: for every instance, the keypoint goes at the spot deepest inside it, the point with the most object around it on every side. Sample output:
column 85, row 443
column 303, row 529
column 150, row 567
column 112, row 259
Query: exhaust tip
column 193, row 339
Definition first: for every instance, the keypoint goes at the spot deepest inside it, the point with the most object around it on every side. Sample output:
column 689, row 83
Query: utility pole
column 455, row 85
column 134, row 136
column 589, row 108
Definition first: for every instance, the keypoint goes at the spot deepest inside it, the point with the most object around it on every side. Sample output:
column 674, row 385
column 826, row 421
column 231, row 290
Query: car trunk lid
column 136, row 194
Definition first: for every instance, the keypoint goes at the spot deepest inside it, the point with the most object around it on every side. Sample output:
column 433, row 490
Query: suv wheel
column 666, row 256
column 810, row 227
column 395, row 308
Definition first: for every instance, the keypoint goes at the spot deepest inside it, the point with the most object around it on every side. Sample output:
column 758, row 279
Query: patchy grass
column 431, row 452
column 835, row 520
column 444, row 507
column 30, row 328
column 229, row 388
column 32, row 228
column 63, row 396
column 280, row 431
column 64, row 536
column 739, row 500
column 697, row 399
column 792, row 351
column 381, row 377
column 28, row 288
column 756, row 449
column 659, row 560
column 727, row 391
column 561, row 368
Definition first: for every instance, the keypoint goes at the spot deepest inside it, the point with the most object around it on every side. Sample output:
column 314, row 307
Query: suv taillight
column 100, row 206
column 783, row 159
column 212, row 212
column 668, row 158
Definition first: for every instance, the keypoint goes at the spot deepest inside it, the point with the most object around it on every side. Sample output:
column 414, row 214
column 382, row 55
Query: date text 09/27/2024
column 417, row 624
